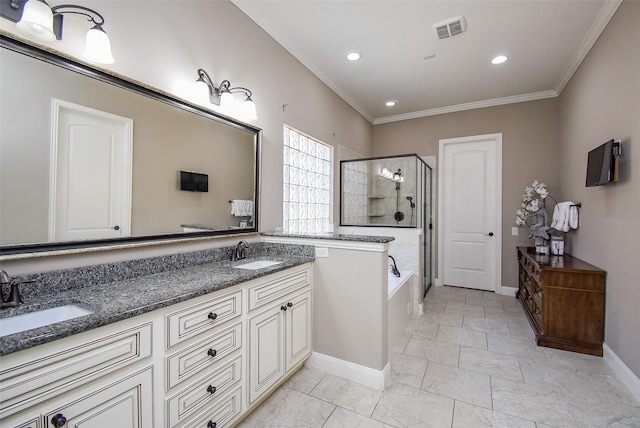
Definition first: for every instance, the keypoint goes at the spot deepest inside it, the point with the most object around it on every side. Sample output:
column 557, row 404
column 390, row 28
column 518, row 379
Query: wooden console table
column 563, row 298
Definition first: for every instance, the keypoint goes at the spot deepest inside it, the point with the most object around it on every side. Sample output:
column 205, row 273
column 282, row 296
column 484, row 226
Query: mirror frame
column 121, row 82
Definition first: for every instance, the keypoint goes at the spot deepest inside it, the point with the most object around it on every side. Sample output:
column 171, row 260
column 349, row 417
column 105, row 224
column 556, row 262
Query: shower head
column 410, row 199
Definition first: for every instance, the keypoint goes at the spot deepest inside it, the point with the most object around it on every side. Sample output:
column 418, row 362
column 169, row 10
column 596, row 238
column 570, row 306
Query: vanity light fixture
column 36, row 19
column 393, row 176
column 223, row 96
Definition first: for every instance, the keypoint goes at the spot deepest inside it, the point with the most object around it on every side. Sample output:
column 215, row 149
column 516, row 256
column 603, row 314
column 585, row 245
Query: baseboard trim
column 624, row 373
column 362, row 375
column 508, row 291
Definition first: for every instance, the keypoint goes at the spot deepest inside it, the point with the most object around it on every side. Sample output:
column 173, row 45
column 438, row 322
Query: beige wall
column 530, row 144
column 350, row 298
column 602, row 101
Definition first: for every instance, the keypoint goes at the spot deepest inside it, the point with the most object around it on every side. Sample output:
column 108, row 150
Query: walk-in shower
column 392, row 192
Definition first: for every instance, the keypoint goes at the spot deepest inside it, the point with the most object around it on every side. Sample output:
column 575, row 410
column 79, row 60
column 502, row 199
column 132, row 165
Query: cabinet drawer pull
column 212, row 352
column 212, row 424
column 283, row 308
column 211, row 389
column 289, row 304
column 59, row 420
column 212, row 315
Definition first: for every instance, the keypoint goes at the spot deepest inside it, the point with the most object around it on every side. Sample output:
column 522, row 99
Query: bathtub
column 400, row 306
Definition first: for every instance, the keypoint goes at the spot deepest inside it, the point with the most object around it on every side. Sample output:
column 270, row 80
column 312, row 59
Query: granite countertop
column 136, row 287
column 334, row 237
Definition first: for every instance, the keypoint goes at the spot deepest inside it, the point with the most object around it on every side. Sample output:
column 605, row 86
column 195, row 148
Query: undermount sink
column 24, row 322
column 260, row 264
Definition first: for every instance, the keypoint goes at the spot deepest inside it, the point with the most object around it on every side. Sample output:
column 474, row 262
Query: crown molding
column 468, row 106
column 606, row 13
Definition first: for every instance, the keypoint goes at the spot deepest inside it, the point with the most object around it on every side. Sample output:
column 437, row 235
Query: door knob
column 116, row 227
column 490, row 233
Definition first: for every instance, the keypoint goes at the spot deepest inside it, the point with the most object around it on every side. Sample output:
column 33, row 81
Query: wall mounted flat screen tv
column 194, row 182
column 602, row 164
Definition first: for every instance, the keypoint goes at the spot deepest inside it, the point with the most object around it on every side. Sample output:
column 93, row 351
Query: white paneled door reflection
column 90, row 174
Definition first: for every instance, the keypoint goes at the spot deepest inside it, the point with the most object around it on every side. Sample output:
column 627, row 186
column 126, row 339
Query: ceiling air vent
column 450, row 27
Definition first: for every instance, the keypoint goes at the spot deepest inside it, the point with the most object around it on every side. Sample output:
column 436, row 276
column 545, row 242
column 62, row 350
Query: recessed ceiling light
column 353, row 56
column 499, row 59
column 391, row 103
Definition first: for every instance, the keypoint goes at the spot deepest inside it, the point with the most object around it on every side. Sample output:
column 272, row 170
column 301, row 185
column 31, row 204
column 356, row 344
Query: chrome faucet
column 394, row 268
column 240, row 252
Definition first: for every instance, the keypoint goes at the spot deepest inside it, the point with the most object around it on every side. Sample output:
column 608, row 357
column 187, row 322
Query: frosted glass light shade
column 37, row 21
column 98, row 46
column 227, row 101
column 249, row 109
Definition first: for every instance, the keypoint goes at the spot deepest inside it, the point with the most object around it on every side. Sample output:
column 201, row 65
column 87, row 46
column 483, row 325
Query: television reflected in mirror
column 194, row 182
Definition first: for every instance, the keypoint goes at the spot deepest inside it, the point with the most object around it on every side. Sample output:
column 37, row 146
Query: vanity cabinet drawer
column 204, row 392
column 126, row 403
column 201, row 317
column 221, row 414
column 203, row 354
column 65, row 364
column 279, row 285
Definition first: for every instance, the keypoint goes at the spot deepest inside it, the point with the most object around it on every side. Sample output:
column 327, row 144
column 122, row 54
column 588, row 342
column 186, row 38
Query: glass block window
column 307, row 180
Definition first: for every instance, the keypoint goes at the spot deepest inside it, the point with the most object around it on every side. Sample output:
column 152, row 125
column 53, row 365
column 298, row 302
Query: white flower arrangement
column 532, row 201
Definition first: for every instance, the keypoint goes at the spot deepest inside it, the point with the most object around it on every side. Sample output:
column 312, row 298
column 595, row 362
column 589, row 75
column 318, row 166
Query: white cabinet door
column 298, row 330
column 279, row 339
column 125, row 404
column 266, row 350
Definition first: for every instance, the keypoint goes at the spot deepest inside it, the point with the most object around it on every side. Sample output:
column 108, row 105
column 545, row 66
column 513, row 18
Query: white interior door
column 470, row 211
column 90, row 174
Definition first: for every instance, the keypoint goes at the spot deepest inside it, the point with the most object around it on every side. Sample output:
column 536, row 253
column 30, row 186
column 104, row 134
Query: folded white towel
column 241, row 208
column 565, row 216
column 573, row 216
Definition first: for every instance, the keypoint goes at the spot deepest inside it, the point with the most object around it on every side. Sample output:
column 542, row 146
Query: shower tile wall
column 384, row 200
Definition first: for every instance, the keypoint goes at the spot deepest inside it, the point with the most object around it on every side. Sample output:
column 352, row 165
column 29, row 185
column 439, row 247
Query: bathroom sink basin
column 260, row 264
column 24, row 322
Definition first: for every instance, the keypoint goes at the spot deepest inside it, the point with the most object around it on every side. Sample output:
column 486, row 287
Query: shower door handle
column 490, row 233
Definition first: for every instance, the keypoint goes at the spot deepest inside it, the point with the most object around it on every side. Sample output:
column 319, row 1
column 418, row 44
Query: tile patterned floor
column 470, row 361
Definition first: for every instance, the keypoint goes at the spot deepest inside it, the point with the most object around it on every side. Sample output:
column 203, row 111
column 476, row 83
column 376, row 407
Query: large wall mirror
column 89, row 159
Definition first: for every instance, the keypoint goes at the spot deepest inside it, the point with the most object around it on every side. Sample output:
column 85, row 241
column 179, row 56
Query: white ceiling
column 545, row 41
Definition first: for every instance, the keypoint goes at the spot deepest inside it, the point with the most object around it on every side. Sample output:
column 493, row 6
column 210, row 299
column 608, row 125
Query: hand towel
column 565, row 216
column 573, row 216
column 241, row 208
